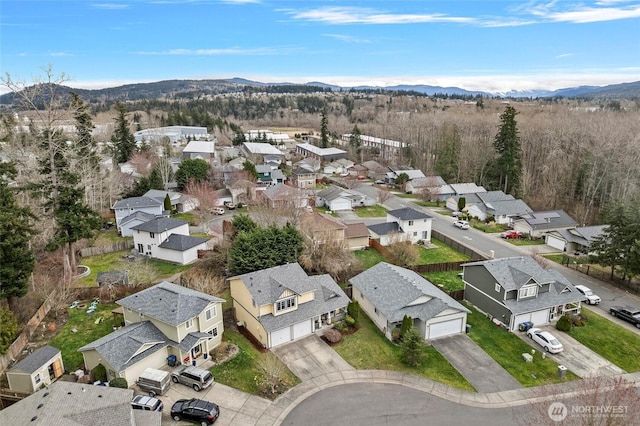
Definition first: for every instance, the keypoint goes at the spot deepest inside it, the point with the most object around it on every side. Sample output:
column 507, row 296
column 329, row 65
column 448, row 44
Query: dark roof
column 136, row 202
column 385, row 228
column 138, row 215
column 181, row 242
column 355, row 230
column 168, row 302
column 550, row 220
column 160, row 224
column 407, row 213
column 35, row 360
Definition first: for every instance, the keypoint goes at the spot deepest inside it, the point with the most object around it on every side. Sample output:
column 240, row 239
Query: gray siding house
column 514, row 290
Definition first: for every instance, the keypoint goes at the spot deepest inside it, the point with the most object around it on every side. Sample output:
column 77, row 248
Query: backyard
column 438, row 252
column 447, row 280
column 370, row 211
column 368, row 349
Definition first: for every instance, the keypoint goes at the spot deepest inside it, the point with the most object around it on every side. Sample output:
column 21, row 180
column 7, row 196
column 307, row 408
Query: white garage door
column 281, row 336
column 556, row 243
column 340, row 204
column 537, row 318
column 445, row 328
column 302, row 329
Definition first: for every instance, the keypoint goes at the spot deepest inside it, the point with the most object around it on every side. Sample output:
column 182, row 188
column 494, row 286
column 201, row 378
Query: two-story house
column 405, row 224
column 302, row 178
column 281, row 304
column 268, row 175
column 167, row 239
column 129, row 206
column 515, row 290
column 163, row 320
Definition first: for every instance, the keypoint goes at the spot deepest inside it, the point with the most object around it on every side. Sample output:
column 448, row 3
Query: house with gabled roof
column 283, row 303
column 356, row 236
column 537, row 224
column 386, row 293
column 137, row 218
column 163, row 320
column 268, row 175
column 285, row 197
column 404, row 224
column 38, row 369
column 303, row 178
column 128, row 206
column 574, row 240
column 203, row 150
column 167, row 239
column 181, row 203
column 514, row 290
column 426, row 185
column 336, row 198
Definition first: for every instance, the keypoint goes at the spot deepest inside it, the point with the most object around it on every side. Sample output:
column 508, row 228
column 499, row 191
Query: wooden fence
column 474, row 255
column 108, row 248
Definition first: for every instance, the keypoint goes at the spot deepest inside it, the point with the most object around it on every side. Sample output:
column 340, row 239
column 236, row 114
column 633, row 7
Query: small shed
column 40, row 368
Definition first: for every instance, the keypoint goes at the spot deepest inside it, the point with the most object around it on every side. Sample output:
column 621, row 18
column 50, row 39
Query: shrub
column 407, row 323
column 564, row 323
column 395, row 334
column 353, row 310
column 412, row 346
column 332, row 335
column 100, row 373
column 341, row 326
column 578, row 320
column 8, row 330
column 119, row 382
column 350, row 321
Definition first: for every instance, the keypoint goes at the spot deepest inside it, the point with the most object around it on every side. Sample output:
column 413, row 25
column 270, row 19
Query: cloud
column 226, row 51
column 564, row 55
column 347, row 38
column 580, row 14
column 356, row 15
column 110, row 6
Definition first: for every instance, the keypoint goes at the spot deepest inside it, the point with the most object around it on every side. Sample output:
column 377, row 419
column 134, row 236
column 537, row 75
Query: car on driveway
column 195, row 410
column 196, row 377
column 462, row 224
column 626, row 313
column 379, row 182
column 511, row 234
column 218, row 210
column 546, row 340
column 146, row 403
column 590, row 297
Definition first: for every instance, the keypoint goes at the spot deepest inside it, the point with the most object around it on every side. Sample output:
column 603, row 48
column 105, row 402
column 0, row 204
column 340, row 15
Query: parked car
column 379, row 182
column 626, row 313
column 591, row 297
column 218, row 210
column 195, row 410
column 511, row 234
column 456, row 214
column 546, row 340
column 196, row 377
column 462, row 224
column 146, row 403
column 229, row 205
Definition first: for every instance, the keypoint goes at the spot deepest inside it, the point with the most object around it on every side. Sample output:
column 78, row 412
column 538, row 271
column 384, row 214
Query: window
column 189, row 323
column 210, row 313
column 410, row 223
column 152, row 235
column 37, row 378
column 214, row 332
column 253, row 302
column 528, row 291
column 284, row 304
column 415, row 234
column 497, row 287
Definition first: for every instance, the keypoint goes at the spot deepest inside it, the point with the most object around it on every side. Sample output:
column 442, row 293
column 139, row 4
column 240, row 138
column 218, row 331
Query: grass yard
column 608, row 339
column 192, row 218
column 86, row 332
column 449, row 280
column 431, row 204
column 507, row 349
column 369, row 257
column 404, row 195
column 526, row 242
column 370, row 211
column 488, row 228
column 240, row 371
column 108, row 237
column 440, row 254
column 368, row 349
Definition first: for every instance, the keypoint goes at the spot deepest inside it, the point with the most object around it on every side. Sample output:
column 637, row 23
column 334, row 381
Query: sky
column 493, row 46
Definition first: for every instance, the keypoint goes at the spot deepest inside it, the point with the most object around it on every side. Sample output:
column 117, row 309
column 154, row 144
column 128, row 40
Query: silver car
column 197, row 378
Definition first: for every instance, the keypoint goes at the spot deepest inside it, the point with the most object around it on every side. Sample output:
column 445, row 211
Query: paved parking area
column 475, row 365
column 575, row 356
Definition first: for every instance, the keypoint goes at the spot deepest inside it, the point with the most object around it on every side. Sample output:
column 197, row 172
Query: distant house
column 283, row 196
column 166, row 319
column 181, row 203
column 504, row 208
column 167, row 239
column 39, row 369
column 537, row 224
column 303, row 178
column 128, row 206
column 357, row 236
column 375, row 170
column 242, row 191
column 576, row 239
column 427, row 185
column 203, row 150
column 384, row 148
column 514, row 290
column 281, row 304
column 386, row 293
column 395, row 171
column 405, row 224
column 256, row 152
column 268, row 175
column 174, row 134
column 336, row 198
column 132, row 220
column 309, row 163
column 323, row 154
column 76, row 404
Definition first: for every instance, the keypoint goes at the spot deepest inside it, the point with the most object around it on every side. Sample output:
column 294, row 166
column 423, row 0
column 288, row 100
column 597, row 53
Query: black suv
column 626, row 313
column 195, row 410
column 146, row 403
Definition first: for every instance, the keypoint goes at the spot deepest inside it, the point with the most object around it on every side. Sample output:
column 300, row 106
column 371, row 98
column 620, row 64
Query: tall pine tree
column 123, row 141
column 509, row 161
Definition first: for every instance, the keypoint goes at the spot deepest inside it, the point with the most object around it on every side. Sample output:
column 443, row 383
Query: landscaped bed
column 369, row 349
column 507, row 349
column 609, row 340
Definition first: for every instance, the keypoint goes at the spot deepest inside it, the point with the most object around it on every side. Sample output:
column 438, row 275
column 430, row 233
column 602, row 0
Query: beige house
column 40, row 368
column 281, row 304
column 357, row 236
column 163, row 320
column 322, row 228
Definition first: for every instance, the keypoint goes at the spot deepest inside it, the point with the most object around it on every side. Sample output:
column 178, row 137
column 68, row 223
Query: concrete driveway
column 575, row 356
column 475, row 365
column 311, row 357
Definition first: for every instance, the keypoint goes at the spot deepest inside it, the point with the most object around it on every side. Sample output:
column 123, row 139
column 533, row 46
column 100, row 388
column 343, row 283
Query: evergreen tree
column 243, row 223
column 191, row 169
column 124, row 143
column 167, row 203
column 507, row 145
column 250, row 168
column 407, row 323
column 355, row 141
column 16, row 257
column 8, row 331
column 155, row 179
column 447, row 154
column 324, row 129
column 412, row 347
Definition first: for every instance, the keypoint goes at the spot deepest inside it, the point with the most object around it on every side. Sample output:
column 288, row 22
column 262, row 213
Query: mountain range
column 172, row 89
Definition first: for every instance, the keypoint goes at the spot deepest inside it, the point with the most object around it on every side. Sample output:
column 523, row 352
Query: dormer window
column 285, row 304
column 189, row 323
column 528, row 291
column 410, row 223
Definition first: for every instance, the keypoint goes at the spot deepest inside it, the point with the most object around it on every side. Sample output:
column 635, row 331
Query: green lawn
column 368, row 349
column 370, row 211
column 369, row 257
column 484, row 227
column 449, row 280
column 440, row 254
column 403, row 195
column 192, row 218
column 526, row 242
column 240, row 371
column 430, row 204
column 608, row 339
column 86, row 332
column 444, row 212
column 507, row 349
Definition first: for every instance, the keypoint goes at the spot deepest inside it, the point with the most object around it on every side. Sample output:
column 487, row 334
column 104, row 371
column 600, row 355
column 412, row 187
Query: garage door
column 302, row 329
column 556, row 243
column 445, row 328
column 537, row 318
column 340, row 204
column 281, row 336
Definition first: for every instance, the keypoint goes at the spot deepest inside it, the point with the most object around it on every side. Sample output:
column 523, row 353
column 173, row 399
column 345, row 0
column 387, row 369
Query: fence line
column 108, row 248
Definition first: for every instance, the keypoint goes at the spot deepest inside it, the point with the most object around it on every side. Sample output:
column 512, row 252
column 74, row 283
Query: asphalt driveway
column 475, row 365
column 575, row 356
